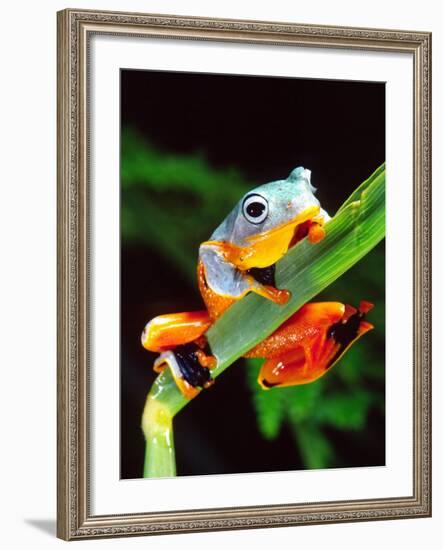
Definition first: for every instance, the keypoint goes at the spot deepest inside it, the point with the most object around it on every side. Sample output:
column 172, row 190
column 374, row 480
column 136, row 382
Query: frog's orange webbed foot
column 306, row 346
column 179, row 337
column 185, row 365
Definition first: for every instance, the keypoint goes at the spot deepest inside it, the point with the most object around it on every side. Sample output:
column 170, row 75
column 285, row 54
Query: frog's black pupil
column 255, row 209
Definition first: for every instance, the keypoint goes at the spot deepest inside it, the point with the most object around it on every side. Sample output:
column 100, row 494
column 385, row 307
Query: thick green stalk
column 157, row 427
column 305, row 270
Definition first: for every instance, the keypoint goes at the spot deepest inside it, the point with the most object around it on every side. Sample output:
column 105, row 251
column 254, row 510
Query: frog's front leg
column 226, row 280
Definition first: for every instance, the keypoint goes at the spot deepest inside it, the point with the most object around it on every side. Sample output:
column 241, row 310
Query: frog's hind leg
column 165, row 332
column 310, row 342
column 179, row 338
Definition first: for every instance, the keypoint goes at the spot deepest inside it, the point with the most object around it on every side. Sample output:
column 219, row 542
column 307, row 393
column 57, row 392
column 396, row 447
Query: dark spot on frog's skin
column 263, row 275
column 205, row 282
column 269, row 385
column 190, row 368
column 344, row 334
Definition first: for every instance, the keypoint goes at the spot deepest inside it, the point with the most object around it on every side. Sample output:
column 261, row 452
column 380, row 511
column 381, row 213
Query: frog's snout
column 300, row 173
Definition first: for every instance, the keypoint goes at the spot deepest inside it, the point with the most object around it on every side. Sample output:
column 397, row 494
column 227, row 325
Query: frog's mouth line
column 268, row 247
column 284, row 231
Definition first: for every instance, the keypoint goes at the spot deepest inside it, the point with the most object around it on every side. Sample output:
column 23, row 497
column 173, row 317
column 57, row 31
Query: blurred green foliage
column 158, row 188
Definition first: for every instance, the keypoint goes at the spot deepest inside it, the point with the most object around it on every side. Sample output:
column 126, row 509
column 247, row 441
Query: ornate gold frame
column 75, row 28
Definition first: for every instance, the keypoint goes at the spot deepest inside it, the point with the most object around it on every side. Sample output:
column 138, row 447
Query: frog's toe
column 316, row 233
column 205, row 360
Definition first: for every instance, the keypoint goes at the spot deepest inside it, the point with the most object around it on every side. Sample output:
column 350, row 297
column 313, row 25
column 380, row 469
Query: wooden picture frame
column 75, row 29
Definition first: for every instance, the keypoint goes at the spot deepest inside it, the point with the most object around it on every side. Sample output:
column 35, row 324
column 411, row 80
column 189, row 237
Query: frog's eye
column 255, row 208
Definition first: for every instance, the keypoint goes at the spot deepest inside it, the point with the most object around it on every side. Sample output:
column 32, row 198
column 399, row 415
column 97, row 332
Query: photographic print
column 252, row 329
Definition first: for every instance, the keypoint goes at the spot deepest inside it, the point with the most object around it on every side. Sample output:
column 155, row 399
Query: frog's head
column 268, row 220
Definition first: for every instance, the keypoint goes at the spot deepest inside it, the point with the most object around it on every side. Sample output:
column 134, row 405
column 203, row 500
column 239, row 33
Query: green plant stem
column 305, row 270
column 157, row 427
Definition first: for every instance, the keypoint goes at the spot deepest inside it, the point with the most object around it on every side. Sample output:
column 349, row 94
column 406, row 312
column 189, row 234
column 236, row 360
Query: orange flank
column 166, row 332
column 215, row 303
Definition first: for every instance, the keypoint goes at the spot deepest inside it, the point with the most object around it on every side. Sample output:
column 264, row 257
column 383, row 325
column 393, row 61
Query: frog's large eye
column 255, row 208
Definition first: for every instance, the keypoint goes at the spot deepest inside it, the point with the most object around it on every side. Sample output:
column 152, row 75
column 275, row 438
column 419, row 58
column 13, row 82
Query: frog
column 241, row 257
